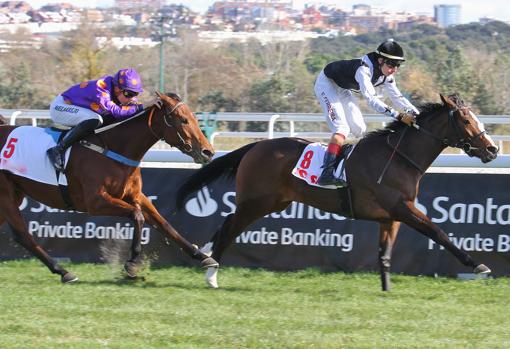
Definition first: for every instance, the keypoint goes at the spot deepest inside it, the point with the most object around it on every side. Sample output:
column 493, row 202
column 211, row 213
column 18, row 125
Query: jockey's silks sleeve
column 390, row 88
column 96, row 95
column 363, row 77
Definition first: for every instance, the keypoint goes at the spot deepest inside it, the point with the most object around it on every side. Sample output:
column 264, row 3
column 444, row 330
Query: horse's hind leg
column 387, row 235
column 9, row 210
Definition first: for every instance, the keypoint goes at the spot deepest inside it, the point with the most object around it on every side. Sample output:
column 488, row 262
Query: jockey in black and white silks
column 334, row 89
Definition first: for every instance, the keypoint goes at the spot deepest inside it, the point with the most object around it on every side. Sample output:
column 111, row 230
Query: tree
column 17, row 90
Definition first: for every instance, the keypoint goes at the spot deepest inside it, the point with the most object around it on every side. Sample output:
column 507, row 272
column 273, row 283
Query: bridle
column 184, row 146
column 464, row 143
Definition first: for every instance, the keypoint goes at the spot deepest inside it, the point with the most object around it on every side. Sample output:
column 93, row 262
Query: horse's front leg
column 407, row 213
column 387, row 235
column 154, row 219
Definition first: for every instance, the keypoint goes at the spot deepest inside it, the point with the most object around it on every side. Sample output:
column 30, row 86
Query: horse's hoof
column 481, row 269
column 209, row 262
column 68, row 278
column 211, row 277
column 131, row 270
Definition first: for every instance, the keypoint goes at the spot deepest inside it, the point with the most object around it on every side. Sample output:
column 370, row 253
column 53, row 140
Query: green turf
column 172, row 308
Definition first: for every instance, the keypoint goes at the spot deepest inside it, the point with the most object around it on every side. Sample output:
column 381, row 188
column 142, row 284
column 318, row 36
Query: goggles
column 129, row 94
column 392, row 63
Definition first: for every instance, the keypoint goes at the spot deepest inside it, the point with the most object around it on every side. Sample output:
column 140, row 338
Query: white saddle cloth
column 24, row 154
column 308, row 167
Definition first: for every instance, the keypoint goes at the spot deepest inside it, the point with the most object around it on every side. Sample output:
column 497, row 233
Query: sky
column 471, row 10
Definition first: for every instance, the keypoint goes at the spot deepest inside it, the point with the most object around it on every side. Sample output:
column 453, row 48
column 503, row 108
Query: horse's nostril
column 208, row 153
column 493, row 150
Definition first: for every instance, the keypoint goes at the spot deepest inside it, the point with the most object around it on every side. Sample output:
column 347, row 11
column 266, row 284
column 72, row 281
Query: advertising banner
column 473, row 209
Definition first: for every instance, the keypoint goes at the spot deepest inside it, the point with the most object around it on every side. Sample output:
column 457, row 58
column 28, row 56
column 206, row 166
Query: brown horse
column 100, row 185
column 383, row 173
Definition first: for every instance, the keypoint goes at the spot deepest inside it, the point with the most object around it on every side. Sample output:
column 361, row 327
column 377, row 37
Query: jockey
column 84, row 105
column 334, row 89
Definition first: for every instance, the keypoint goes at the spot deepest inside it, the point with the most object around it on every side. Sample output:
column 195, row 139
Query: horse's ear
column 158, row 94
column 447, row 101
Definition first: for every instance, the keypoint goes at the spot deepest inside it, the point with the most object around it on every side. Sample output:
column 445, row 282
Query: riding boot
column 57, row 153
column 327, row 176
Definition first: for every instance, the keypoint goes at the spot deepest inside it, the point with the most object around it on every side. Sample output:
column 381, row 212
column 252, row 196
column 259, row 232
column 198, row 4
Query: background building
column 127, row 4
column 447, row 15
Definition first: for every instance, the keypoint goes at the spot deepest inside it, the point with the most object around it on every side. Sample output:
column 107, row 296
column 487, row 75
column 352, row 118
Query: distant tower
column 447, row 15
column 129, row 4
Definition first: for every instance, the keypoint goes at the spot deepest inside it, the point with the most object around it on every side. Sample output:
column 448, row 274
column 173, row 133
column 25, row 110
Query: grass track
column 172, row 308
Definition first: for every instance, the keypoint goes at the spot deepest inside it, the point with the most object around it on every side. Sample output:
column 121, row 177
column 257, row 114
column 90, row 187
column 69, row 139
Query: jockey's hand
column 406, row 118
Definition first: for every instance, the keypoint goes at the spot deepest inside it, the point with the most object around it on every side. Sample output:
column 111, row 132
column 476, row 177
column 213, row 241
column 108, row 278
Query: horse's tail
column 224, row 165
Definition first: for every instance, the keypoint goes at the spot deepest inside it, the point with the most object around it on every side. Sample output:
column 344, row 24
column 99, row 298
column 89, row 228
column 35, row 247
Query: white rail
column 444, row 160
column 166, row 155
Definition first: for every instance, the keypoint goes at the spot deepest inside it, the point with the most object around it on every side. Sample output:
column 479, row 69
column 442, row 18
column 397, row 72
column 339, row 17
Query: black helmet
column 391, row 50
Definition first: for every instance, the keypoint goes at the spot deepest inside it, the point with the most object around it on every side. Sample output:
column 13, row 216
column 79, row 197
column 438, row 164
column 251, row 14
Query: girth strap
column 64, row 191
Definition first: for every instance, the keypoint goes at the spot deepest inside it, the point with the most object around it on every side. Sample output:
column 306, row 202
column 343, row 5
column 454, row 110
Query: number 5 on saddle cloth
column 24, row 154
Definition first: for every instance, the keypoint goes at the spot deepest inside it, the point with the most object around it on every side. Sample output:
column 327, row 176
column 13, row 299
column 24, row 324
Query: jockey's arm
column 368, row 91
column 391, row 90
column 118, row 112
column 122, row 112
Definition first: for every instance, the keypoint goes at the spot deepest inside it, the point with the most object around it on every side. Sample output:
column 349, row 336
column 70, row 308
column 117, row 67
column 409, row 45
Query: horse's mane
column 174, row 96
column 425, row 110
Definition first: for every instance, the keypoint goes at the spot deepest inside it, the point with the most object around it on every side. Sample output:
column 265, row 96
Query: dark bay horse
column 99, row 185
column 264, row 183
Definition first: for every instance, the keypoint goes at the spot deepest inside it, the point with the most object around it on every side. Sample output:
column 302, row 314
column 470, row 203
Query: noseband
column 169, row 122
column 464, row 143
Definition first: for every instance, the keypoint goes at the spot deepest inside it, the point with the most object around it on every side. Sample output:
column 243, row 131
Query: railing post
column 208, row 124
column 270, row 127
column 14, row 115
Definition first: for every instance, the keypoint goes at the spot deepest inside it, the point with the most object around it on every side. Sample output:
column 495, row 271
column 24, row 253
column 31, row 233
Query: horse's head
column 178, row 126
column 465, row 131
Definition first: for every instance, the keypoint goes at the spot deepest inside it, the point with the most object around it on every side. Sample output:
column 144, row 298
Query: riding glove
column 406, row 118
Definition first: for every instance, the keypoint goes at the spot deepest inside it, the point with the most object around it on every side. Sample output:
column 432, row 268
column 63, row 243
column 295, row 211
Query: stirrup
column 330, row 179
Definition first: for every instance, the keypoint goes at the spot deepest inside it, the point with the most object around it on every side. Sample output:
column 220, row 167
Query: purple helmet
column 128, row 79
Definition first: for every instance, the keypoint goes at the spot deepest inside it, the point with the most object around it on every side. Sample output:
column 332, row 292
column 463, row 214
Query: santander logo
column 202, row 205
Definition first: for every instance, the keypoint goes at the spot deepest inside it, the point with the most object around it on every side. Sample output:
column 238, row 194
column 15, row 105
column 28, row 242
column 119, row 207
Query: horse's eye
column 184, row 121
column 466, row 121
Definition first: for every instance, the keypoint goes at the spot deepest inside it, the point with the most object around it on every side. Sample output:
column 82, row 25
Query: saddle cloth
column 24, row 154
column 309, row 165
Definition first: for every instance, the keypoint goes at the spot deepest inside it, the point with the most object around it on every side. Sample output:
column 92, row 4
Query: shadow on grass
column 141, row 282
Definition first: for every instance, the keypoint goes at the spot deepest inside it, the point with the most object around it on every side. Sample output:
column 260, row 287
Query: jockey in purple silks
column 84, row 105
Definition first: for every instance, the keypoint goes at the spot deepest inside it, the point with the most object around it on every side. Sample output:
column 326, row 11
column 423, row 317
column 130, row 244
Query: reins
column 167, row 117
column 391, row 156
column 462, row 143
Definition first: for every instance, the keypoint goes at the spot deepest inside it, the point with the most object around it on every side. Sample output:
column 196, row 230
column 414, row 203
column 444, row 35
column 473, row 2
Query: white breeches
column 70, row 115
column 340, row 107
